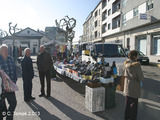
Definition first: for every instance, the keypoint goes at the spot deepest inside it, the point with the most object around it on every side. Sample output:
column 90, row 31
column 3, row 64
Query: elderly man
column 27, row 75
column 8, row 65
column 44, row 63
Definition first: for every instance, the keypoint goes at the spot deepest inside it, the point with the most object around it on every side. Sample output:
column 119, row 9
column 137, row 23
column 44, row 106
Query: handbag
column 7, row 84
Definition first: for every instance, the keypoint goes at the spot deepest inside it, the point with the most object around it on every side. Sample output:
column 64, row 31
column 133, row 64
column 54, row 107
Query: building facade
column 134, row 24
column 97, row 23
column 26, row 38
column 87, row 29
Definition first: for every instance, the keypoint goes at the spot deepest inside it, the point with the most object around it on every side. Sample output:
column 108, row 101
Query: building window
column 109, row 12
column 124, row 3
column 99, row 11
column 104, row 15
column 95, row 14
column 149, row 4
column 95, row 24
column 135, row 11
column 118, row 6
column 156, row 45
column 109, row 26
column 104, row 28
column 28, row 32
column 118, row 23
column 124, row 20
column 104, row 3
column 95, row 34
column 98, row 34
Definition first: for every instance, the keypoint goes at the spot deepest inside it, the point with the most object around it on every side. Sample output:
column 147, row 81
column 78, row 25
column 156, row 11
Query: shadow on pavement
column 42, row 113
column 70, row 112
column 150, row 89
column 78, row 87
column 116, row 113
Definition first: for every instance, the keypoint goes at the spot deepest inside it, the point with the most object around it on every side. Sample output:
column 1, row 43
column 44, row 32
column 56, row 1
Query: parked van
column 109, row 51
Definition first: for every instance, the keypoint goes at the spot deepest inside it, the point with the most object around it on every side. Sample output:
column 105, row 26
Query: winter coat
column 133, row 76
column 27, row 68
column 44, row 62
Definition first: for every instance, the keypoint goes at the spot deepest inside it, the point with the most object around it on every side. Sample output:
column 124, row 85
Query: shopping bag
column 7, row 84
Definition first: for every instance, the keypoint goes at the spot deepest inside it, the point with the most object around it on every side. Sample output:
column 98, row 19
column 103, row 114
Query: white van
column 109, row 51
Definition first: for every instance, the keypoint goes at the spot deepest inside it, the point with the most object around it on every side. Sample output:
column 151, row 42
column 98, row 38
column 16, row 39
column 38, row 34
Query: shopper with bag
column 27, row 75
column 7, row 64
column 132, row 86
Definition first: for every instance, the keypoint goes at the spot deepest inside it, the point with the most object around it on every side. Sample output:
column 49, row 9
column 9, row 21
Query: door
column 34, row 50
column 142, row 45
column 157, row 45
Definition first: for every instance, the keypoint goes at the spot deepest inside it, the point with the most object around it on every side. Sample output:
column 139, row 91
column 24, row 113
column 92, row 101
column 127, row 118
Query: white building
column 134, row 23
column 26, row 38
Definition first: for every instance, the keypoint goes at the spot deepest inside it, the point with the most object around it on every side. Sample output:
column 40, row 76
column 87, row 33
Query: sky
column 38, row 14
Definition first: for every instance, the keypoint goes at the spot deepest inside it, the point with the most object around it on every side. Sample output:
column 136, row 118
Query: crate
column 94, row 85
column 95, row 99
column 120, row 86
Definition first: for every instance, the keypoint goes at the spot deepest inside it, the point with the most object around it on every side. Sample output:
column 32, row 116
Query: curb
column 154, row 64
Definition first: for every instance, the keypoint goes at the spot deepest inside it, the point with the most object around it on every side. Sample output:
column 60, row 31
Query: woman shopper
column 132, row 86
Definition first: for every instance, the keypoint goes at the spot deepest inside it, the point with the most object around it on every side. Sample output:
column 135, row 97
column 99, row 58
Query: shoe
column 47, row 96
column 41, row 95
column 32, row 98
column 27, row 100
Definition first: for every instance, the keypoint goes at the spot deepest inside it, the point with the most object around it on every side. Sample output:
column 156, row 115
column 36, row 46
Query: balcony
column 116, row 6
column 104, row 15
column 104, row 3
column 116, row 22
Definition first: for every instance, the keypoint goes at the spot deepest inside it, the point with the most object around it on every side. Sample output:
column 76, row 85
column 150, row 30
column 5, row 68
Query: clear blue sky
column 37, row 14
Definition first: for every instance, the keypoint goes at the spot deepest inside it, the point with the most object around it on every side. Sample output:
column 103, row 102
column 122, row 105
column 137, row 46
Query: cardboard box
column 94, row 85
column 120, row 86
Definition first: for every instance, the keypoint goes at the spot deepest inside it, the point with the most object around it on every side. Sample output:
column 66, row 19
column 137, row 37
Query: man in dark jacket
column 27, row 75
column 44, row 63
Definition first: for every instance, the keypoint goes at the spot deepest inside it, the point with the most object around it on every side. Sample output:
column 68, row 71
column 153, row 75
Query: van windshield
column 110, row 50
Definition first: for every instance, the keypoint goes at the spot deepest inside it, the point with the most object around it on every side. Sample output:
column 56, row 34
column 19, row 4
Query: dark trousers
column 27, row 88
column 11, row 98
column 42, row 76
column 3, row 108
column 131, row 107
